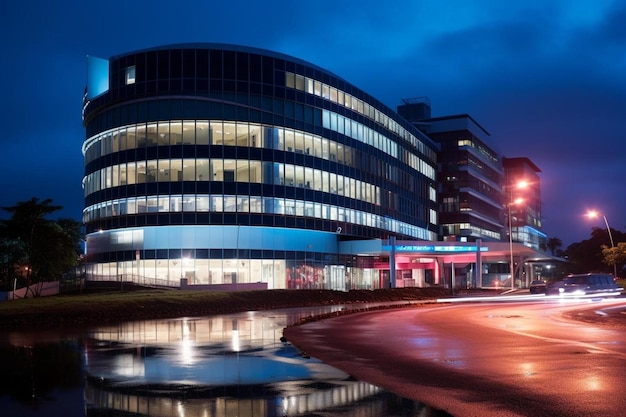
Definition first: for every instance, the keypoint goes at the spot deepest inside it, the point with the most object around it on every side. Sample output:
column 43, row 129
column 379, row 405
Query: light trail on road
column 527, row 297
column 490, row 357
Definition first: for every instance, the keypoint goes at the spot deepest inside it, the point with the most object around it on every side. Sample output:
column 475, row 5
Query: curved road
column 482, row 359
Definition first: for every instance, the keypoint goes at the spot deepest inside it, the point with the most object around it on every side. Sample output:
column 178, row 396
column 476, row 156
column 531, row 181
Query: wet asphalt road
column 483, row 359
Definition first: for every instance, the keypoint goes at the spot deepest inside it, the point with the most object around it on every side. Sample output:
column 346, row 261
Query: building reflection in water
column 233, row 365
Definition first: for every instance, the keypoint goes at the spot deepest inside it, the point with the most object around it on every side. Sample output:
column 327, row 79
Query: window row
column 168, row 272
column 320, row 89
column 529, row 236
column 339, row 123
column 215, row 132
column 249, row 204
column 229, row 170
column 474, row 143
column 355, row 130
column 457, row 229
column 277, row 273
column 302, row 272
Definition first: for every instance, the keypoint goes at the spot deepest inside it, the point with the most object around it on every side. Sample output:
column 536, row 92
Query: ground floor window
column 277, row 274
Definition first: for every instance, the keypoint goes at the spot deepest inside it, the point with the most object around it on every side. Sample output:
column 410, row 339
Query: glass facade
column 525, row 218
column 227, row 165
column 470, row 179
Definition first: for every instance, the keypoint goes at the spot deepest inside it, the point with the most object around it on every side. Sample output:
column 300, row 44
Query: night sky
column 547, row 79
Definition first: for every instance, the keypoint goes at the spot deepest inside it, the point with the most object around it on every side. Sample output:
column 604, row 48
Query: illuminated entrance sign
column 435, row 248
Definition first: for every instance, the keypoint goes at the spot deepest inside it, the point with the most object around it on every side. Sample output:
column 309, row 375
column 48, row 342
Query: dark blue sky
column 547, row 79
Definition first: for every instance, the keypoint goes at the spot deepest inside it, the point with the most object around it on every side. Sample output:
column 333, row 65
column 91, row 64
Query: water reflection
column 234, row 365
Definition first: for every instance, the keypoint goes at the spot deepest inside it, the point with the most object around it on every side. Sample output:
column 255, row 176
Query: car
column 584, row 284
column 537, row 287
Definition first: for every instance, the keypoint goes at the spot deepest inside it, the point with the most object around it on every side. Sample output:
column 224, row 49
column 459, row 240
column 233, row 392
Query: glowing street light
column 593, row 214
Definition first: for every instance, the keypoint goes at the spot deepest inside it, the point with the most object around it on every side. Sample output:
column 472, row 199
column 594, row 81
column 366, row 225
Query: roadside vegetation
column 73, row 310
column 34, row 248
column 602, row 252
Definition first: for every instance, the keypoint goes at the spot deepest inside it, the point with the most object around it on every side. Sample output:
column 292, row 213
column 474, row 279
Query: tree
column 35, row 249
column 553, row 244
column 587, row 256
column 11, row 251
column 615, row 255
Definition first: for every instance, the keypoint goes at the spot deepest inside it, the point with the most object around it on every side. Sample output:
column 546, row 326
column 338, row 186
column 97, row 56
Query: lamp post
column 512, row 266
column 519, row 185
column 593, row 214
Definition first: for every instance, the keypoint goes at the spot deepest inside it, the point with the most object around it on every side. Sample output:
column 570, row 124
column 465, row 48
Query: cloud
column 546, row 79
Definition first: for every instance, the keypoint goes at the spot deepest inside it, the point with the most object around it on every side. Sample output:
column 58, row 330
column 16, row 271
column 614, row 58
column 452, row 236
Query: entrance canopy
column 463, row 252
column 439, row 256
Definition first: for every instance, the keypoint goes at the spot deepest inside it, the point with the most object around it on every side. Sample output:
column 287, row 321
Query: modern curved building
column 211, row 164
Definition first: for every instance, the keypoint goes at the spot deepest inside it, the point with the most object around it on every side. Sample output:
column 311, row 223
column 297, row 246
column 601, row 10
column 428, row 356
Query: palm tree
column 553, row 244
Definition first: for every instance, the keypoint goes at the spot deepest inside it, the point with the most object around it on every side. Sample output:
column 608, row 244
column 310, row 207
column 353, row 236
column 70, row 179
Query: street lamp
column 592, row 214
column 519, row 185
column 512, row 266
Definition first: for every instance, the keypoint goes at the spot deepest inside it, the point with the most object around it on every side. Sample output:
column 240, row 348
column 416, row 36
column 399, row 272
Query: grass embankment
column 114, row 307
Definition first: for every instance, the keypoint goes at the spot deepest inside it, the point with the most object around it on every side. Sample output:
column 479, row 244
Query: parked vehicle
column 537, row 287
column 584, row 284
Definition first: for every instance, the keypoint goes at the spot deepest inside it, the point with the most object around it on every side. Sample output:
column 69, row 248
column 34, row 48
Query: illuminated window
column 130, row 75
column 290, row 80
column 432, row 216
